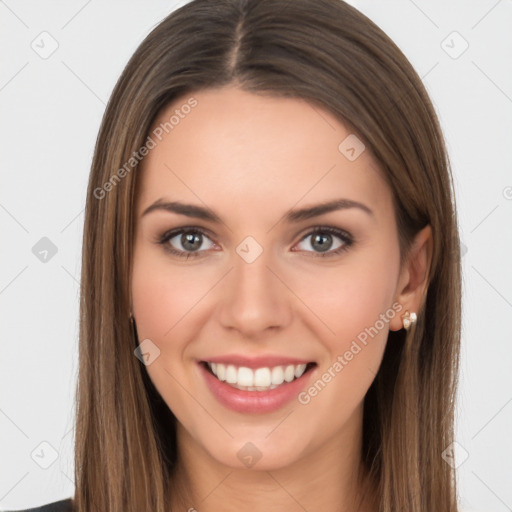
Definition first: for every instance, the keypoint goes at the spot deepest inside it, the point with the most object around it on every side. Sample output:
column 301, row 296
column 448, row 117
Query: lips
column 259, row 385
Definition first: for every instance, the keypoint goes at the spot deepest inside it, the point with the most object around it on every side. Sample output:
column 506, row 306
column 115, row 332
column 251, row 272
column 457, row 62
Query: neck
column 330, row 478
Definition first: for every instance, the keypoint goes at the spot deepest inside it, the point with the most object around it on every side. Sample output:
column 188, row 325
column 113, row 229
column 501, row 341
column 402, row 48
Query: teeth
column 277, row 375
column 231, row 374
column 245, row 377
column 260, row 379
column 220, row 371
column 299, row 370
column 289, row 373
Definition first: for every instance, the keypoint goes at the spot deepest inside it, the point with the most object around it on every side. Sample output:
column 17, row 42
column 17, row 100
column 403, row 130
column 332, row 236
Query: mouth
column 265, row 378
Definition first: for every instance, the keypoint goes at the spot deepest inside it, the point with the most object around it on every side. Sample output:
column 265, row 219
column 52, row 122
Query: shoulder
column 65, row 505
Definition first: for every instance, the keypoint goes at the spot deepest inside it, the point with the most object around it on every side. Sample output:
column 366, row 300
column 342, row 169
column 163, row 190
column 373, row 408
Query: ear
column 414, row 277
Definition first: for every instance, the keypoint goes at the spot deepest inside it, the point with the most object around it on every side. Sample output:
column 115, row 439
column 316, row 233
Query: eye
column 186, row 242
column 323, row 241
column 194, row 241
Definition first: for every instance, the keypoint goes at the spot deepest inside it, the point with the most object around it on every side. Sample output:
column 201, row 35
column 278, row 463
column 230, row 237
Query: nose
column 254, row 299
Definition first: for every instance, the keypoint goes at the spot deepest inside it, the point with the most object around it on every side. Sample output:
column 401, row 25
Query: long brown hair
column 326, row 52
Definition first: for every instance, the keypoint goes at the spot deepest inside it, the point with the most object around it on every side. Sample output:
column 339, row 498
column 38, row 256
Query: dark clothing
column 57, row 506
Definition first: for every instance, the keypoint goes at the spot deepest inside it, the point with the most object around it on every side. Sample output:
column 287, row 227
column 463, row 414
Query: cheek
column 356, row 304
column 163, row 294
column 351, row 297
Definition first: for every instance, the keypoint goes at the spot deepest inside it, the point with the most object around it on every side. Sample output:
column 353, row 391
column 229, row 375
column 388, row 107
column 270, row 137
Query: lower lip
column 254, row 401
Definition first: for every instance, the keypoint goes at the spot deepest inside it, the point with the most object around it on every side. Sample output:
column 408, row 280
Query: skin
column 251, row 158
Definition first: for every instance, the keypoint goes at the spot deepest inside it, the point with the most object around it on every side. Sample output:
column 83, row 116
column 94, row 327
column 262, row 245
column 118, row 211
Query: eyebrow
column 200, row 212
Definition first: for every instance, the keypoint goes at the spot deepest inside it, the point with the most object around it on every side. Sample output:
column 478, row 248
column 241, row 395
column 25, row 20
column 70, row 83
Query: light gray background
column 51, row 111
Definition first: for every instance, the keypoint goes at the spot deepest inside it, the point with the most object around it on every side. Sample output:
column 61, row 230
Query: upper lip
column 257, row 362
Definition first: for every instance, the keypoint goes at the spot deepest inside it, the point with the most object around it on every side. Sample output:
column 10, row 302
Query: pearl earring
column 409, row 319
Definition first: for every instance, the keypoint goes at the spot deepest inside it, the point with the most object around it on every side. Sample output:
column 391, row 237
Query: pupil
column 323, row 242
column 189, row 239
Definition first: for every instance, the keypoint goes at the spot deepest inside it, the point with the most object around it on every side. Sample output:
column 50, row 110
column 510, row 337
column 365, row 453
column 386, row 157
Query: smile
column 258, row 379
column 251, row 387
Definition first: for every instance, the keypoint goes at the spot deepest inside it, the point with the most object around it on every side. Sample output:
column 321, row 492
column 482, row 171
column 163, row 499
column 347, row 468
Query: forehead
column 235, row 148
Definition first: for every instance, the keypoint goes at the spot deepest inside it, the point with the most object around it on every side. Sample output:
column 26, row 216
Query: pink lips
column 254, row 401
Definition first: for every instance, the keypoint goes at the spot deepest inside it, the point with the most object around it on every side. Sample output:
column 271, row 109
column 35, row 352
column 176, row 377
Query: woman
column 270, row 301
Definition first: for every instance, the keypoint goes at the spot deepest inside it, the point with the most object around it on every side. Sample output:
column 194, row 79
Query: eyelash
column 343, row 235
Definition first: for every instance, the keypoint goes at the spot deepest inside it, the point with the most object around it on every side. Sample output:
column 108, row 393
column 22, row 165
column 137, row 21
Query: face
column 250, row 276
